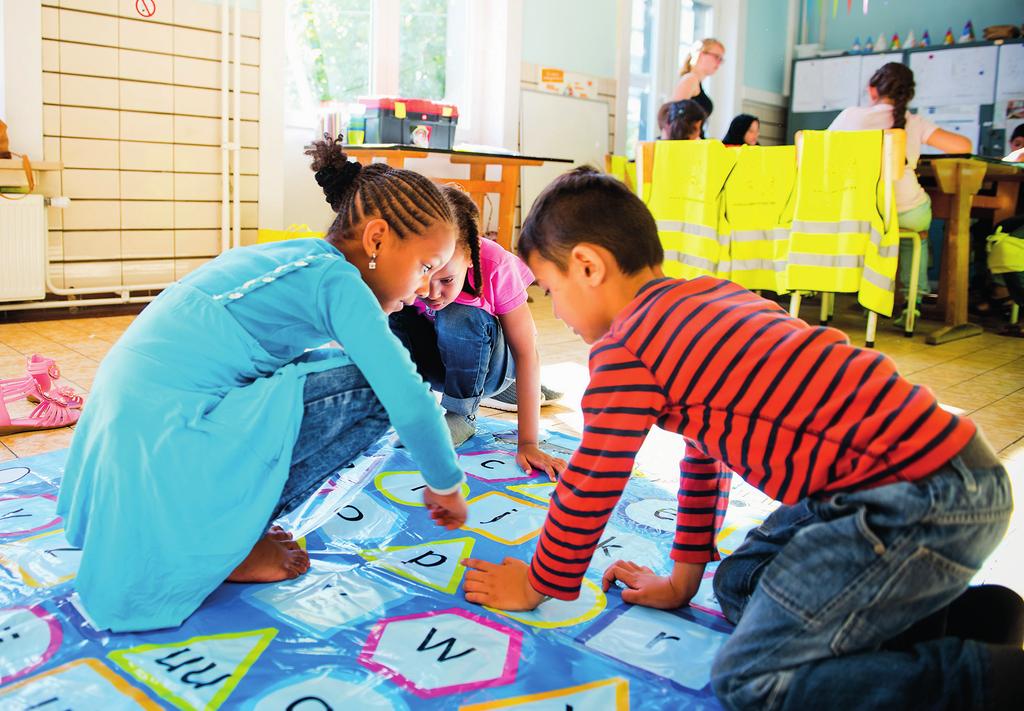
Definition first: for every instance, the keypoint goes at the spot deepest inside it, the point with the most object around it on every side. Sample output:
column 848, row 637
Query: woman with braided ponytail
column 891, row 89
column 473, row 338
column 218, row 411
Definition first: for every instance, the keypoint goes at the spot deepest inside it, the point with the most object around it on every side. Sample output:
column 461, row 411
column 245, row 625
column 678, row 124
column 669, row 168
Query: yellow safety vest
column 617, row 167
column 839, row 241
column 758, row 211
column 686, row 201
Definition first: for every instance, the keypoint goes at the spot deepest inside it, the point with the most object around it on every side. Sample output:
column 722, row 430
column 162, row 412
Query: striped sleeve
column 704, row 485
column 619, row 407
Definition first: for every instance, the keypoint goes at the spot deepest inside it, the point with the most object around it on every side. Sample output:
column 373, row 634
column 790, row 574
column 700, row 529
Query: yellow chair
column 687, row 200
column 622, row 168
column 844, row 237
column 758, row 211
column 915, row 266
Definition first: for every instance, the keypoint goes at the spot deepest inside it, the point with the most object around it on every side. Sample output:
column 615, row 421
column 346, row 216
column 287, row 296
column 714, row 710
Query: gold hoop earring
column 373, row 261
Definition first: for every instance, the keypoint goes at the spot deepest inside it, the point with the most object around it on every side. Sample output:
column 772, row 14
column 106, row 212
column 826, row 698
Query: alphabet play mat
column 379, row 621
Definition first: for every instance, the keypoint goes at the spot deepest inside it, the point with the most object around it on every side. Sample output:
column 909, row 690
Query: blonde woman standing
column 703, row 60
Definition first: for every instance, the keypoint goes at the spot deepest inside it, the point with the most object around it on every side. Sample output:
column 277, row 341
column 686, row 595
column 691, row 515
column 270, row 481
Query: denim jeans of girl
column 341, row 419
column 821, row 585
column 461, row 353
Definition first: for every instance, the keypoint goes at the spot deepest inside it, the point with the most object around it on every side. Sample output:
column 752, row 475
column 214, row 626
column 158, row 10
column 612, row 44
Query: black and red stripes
column 791, row 408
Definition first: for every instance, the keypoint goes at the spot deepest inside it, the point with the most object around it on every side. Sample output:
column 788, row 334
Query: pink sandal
column 49, row 414
column 44, row 371
column 56, row 406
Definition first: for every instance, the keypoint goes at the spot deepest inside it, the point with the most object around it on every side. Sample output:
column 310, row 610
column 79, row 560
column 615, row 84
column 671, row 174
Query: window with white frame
column 661, row 32
column 641, row 72
column 339, row 50
column 694, row 24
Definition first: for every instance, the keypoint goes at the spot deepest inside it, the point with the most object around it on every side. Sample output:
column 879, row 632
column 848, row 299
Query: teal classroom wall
column 900, row 16
column 764, row 63
column 575, row 35
column 579, row 35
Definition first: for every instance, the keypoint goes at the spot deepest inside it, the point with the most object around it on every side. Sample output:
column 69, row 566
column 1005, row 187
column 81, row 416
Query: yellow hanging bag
column 1005, row 253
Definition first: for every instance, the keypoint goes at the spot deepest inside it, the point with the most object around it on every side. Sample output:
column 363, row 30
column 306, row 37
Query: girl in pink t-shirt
column 473, row 338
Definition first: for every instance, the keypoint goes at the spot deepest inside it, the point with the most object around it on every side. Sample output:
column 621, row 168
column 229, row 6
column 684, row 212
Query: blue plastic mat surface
column 379, row 621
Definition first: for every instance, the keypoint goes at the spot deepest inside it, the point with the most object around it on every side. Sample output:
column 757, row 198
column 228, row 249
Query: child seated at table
column 891, row 89
column 681, row 120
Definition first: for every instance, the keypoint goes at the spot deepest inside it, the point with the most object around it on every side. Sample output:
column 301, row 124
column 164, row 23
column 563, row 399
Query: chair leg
column 1014, row 314
column 869, row 333
column 826, row 308
column 915, row 267
column 794, row 304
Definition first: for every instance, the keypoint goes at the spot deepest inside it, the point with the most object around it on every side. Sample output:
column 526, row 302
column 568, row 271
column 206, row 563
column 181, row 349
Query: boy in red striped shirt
column 890, row 503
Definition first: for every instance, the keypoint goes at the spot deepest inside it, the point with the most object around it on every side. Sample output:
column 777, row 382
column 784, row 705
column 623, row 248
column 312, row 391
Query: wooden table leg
column 963, row 180
column 507, row 204
column 478, row 171
column 1006, row 194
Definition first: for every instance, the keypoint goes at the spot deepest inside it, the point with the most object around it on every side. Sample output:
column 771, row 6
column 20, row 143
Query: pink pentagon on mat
column 507, row 675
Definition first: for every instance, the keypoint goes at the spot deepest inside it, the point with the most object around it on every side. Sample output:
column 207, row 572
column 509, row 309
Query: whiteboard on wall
column 1010, row 84
column 826, row 84
column 871, row 63
column 555, row 126
column 807, row 86
column 965, row 75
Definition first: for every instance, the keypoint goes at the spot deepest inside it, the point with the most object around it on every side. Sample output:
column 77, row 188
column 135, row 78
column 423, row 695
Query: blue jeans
column 818, row 589
column 342, row 417
column 461, row 353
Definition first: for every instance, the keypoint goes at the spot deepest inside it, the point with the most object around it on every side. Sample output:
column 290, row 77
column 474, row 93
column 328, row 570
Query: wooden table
column 13, row 175
column 958, row 180
column 477, row 185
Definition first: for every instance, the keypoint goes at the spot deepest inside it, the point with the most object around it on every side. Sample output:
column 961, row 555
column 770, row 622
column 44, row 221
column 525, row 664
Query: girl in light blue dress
column 210, row 417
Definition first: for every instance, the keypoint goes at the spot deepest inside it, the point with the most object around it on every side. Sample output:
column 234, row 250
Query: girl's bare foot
column 271, row 560
column 283, row 537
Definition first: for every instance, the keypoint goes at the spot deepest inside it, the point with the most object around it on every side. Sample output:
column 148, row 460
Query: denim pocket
column 922, row 583
column 824, row 565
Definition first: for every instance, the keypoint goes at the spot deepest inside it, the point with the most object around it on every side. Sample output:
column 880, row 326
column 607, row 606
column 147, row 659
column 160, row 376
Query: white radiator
column 22, row 249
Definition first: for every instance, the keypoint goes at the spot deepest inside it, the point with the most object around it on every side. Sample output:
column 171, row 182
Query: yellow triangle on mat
column 198, row 673
column 436, row 564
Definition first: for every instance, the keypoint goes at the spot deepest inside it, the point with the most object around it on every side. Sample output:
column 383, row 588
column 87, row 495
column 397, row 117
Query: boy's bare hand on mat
column 448, row 510
column 505, row 586
column 646, row 588
column 532, row 458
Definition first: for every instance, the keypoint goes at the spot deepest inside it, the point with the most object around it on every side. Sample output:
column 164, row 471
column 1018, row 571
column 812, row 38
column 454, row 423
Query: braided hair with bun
column 895, row 82
column 409, row 202
column 467, row 217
